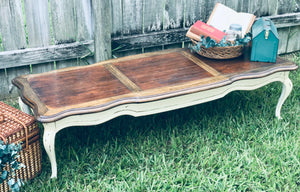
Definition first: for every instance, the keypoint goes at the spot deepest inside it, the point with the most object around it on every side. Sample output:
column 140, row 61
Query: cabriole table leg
column 49, row 145
column 287, row 87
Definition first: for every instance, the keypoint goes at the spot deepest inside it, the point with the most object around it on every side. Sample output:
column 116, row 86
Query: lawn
column 231, row 144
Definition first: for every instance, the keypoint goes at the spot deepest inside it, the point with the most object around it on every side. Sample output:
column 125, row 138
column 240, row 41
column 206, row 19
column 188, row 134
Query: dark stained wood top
column 134, row 79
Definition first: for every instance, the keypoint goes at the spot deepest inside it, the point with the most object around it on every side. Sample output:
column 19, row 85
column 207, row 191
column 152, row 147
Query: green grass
column 231, row 144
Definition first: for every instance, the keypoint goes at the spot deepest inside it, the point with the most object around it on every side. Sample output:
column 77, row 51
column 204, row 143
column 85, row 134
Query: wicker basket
column 21, row 127
column 228, row 52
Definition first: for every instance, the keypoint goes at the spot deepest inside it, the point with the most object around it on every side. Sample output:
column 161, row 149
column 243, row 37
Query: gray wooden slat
column 102, row 29
column 194, row 10
column 63, row 21
column 272, row 7
column 23, row 57
column 38, row 23
column 293, row 39
column 127, row 19
column 285, row 6
column 38, row 29
column 63, row 26
column 84, row 27
column 4, row 85
column 173, row 14
column 283, row 34
column 83, row 13
column 132, row 17
column 296, row 6
column 13, row 37
column 150, row 39
column 116, row 17
column 286, row 20
column 11, row 25
column 153, row 15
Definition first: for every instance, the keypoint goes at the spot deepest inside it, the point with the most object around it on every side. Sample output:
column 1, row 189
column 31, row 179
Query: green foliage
column 208, row 42
column 8, row 156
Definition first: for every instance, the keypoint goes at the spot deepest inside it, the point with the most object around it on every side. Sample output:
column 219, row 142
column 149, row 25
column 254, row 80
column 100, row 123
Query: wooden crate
column 21, row 127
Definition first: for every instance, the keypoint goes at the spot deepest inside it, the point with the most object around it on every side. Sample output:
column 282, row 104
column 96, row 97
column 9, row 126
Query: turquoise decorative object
column 264, row 41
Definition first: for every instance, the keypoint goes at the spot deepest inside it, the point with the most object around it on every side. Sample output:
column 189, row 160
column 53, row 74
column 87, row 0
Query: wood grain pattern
column 201, row 63
column 83, row 14
column 13, row 37
column 158, row 75
column 121, row 77
column 102, row 29
column 76, row 86
column 39, row 35
column 161, row 70
column 153, row 15
column 37, row 23
column 173, row 14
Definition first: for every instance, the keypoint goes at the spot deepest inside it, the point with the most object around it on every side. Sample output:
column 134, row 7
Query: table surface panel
column 134, row 79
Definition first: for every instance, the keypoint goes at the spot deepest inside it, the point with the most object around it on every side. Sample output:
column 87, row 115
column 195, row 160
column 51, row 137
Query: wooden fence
column 42, row 35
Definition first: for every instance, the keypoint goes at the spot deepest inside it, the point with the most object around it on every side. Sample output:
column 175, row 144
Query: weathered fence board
column 132, row 14
column 194, row 10
column 150, row 39
column 153, row 15
column 84, row 27
column 83, row 15
column 286, row 20
column 38, row 31
column 13, row 37
column 283, row 39
column 12, row 25
column 117, row 20
column 102, row 29
column 37, row 23
column 173, row 14
column 63, row 22
column 293, row 43
column 51, row 53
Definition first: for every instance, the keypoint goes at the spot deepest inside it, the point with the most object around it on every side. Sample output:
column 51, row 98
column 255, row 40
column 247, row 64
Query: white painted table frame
column 153, row 107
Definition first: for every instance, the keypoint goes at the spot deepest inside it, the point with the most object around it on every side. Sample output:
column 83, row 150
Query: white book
column 222, row 17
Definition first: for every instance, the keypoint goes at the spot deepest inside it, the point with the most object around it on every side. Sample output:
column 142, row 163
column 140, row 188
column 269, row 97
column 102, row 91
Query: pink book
column 200, row 28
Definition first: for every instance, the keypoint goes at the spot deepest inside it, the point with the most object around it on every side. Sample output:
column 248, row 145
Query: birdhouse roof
column 263, row 24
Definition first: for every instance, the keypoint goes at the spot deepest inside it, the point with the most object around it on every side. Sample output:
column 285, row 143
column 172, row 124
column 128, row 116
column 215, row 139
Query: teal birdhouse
column 264, row 41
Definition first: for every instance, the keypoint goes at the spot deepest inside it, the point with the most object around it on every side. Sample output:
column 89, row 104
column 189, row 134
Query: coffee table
column 140, row 85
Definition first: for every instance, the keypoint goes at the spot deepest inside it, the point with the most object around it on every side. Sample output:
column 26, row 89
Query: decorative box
column 17, row 126
column 264, row 41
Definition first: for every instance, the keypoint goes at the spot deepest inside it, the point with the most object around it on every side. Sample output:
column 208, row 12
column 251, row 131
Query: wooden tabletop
column 133, row 79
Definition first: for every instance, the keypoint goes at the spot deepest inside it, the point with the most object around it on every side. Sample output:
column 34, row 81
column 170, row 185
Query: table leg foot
column 49, row 145
column 287, row 87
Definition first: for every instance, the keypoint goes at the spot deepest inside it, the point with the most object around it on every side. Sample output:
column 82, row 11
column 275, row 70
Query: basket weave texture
column 21, row 127
column 227, row 52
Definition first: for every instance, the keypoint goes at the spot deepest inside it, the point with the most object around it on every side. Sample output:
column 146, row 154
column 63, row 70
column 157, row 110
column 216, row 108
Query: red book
column 200, row 28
